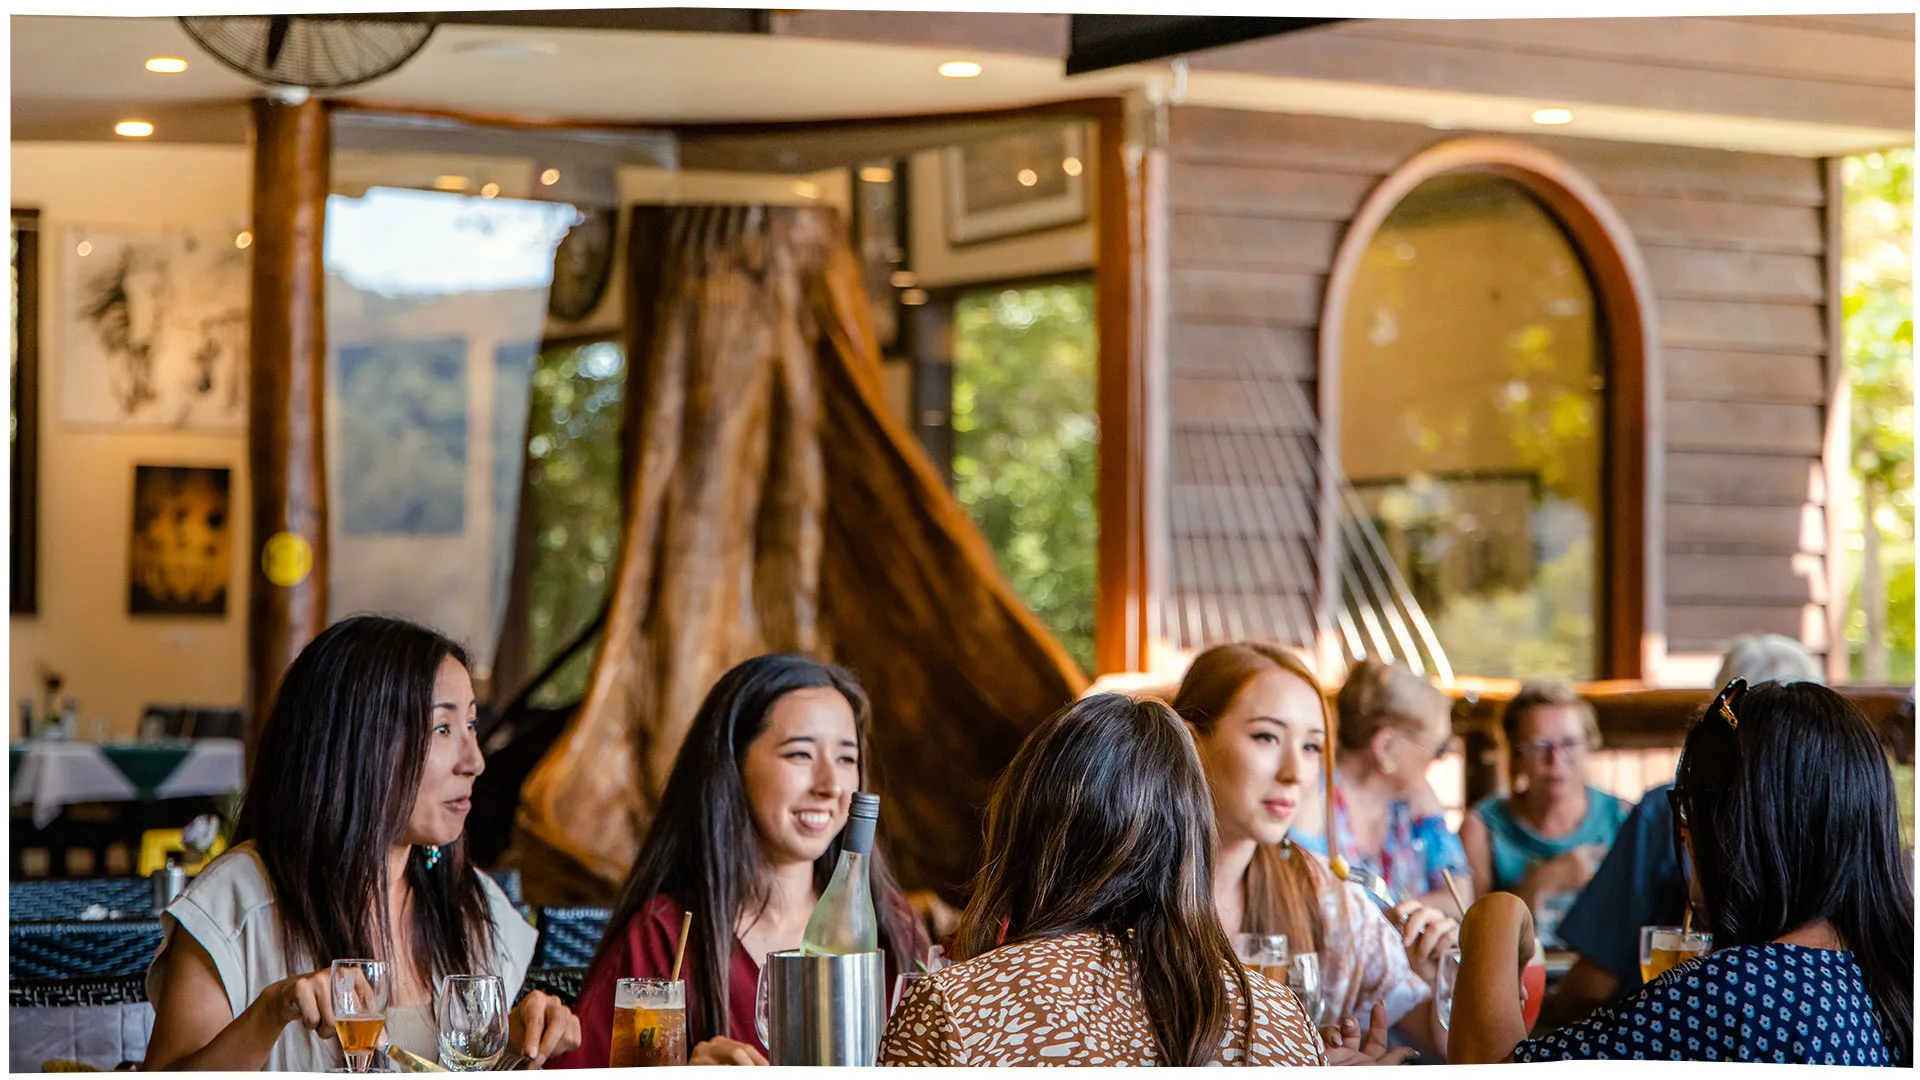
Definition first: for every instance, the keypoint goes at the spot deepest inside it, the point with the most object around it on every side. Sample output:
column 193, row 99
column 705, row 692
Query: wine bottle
column 843, row 921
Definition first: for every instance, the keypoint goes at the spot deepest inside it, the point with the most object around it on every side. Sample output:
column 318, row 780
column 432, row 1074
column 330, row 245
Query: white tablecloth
column 53, row 775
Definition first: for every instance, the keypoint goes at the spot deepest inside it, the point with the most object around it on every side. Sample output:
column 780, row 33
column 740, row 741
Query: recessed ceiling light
column 960, row 69
column 914, row 297
column 806, row 189
column 244, row 240
column 876, row 174
column 133, row 129
column 550, row 177
column 903, row 279
column 1028, row 178
column 450, row 183
column 488, row 191
column 167, row 65
column 1552, row 117
column 84, row 248
column 1071, row 166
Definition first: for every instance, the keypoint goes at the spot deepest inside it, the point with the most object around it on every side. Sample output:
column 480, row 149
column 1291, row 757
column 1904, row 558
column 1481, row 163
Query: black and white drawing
column 155, row 330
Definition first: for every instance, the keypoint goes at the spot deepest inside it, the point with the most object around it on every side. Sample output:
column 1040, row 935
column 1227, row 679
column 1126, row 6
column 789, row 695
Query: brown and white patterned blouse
column 1071, row 1000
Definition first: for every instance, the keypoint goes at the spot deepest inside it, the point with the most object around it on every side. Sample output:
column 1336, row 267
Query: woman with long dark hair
column 350, row 845
column 1262, row 726
column 745, row 838
column 1095, row 900
column 1784, row 804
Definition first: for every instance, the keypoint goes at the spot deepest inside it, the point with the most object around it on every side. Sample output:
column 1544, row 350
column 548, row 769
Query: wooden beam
column 285, row 437
column 1122, row 295
column 1836, row 447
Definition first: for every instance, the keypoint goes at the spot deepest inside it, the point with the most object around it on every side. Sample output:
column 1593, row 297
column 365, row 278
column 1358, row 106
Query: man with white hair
column 1639, row 884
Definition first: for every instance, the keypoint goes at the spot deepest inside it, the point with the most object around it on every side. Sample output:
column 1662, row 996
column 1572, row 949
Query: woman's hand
column 724, row 1051
column 542, row 1026
column 307, row 999
column 1346, row 1047
column 1566, row 872
column 1426, row 934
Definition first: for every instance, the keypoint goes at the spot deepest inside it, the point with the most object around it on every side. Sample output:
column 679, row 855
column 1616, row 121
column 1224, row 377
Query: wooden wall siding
column 1735, row 245
column 1826, row 71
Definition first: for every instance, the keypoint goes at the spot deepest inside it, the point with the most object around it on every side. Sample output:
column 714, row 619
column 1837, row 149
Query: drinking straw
column 1454, row 891
column 680, row 952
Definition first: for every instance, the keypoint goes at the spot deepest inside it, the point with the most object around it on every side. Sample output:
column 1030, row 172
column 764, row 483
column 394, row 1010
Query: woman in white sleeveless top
column 351, row 845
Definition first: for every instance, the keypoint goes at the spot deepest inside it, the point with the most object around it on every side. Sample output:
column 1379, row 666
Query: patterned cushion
column 569, row 936
column 55, row 899
column 74, row 950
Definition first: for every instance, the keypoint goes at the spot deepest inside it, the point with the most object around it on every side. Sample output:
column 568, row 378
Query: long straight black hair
column 1793, row 819
column 703, row 850
column 1103, row 822
column 332, row 788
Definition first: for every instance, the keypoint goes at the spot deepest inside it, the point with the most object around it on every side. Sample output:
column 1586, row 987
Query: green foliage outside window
column 1877, row 333
column 573, row 476
column 1025, row 439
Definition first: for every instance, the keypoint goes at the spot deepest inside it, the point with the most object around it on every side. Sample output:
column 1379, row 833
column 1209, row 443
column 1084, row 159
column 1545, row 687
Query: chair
column 563, row 983
column 33, row 900
column 76, row 950
column 509, row 882
column 568, row 936
column 220, row 723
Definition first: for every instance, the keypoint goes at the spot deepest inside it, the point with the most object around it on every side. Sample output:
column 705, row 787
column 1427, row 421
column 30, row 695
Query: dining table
column 50, row 775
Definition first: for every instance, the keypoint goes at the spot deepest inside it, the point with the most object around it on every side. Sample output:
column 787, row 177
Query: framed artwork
column 403, row 438
column 877, row 233
column 181, row 552
column 1026, row 181
column 154, row 330
column 23, row 440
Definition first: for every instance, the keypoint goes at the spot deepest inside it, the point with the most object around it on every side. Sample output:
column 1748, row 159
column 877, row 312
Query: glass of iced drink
column 649, row 1023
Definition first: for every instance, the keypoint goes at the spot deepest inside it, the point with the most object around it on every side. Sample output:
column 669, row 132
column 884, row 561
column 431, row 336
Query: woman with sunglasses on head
column 1784, row 805
column 1260, row 722
column 745, row 839
column 1394, row 725
column 1543, row 842
column 1091, row 937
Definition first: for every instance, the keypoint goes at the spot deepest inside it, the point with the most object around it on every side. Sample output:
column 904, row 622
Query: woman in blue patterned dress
column 1785, row 806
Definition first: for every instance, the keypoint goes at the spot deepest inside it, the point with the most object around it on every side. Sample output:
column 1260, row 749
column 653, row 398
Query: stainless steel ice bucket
column 825, row 1010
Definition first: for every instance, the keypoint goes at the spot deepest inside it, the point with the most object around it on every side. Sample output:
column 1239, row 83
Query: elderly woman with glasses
column 1543, row 841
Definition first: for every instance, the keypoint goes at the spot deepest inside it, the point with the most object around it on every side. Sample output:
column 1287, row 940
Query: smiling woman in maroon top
column 746, row 837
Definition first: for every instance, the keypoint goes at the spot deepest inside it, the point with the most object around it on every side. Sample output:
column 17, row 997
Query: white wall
column 115, row 663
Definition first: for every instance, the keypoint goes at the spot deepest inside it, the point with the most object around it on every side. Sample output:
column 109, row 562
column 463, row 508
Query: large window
column 1025, row 444
column 1473, row 424
column 572, row 506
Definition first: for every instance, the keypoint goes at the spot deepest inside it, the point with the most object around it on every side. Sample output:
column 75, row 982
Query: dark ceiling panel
column 1095, row 42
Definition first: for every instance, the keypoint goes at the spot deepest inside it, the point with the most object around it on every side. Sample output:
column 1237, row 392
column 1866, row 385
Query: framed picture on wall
column 153, row 329
column 24, row 402
column 181, row 552
column 1026, row 181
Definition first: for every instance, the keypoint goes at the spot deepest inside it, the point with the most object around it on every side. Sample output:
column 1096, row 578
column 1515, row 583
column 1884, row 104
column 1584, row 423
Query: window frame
column 1631, row 566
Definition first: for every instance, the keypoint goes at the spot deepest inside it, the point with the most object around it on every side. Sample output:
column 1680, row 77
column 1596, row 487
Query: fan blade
column 277, row 28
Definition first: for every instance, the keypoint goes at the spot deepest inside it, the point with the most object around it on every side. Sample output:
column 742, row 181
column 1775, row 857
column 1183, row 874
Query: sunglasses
column 1724, row 706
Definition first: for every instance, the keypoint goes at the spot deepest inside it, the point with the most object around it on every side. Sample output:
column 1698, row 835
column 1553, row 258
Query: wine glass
column 473, row 1022
column 1264, row 953
column 1303, row 978
column 1443, row 985
column 360, row 989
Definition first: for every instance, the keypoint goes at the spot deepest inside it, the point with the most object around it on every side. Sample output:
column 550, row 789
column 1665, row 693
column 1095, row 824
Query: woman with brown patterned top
column 1092, row 938
column 1263, row 729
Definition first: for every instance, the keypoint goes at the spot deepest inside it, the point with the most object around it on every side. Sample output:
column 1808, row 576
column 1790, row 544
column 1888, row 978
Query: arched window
column 1485, row 362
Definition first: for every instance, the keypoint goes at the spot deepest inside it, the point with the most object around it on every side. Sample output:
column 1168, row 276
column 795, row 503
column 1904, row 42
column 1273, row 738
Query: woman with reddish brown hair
column 1262, row 727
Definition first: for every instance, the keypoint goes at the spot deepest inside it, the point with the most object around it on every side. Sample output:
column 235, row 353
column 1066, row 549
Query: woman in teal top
column 1543, row 842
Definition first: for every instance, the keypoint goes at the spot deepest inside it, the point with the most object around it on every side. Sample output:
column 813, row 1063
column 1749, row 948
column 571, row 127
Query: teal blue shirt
column 1516, row 847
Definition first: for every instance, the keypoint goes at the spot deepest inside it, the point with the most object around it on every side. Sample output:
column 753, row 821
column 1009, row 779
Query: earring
column 1389, row 767
column 433, row 855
